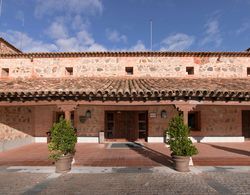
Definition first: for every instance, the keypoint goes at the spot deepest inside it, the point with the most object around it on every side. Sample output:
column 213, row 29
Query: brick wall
column 220, row 120
column 16, row 122
column 227, row 67
column 215, row 120
column 96, row 123
column 43, row 119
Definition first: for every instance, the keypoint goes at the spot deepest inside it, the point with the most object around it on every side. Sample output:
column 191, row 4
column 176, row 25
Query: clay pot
column 63, row 164
column 181, row 163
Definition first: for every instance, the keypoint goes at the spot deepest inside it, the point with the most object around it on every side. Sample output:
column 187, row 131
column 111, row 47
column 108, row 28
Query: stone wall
column 16, row 122
column 223, row 67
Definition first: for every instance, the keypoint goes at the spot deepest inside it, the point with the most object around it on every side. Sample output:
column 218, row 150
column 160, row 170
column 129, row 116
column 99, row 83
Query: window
column 58, row 115
column 248, row 71
column 5, row 72
column 110, row 123
column 142, row 116
column 194, row 121
column 129, row 70
column 163, row 114
column 69, row 71
column 190, row 70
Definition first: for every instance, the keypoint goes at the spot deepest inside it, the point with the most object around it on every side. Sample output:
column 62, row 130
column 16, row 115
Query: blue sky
column 119, row 25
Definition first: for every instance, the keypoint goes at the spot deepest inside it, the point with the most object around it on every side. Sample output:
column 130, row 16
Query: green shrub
column 177, row 134
column 63, row 139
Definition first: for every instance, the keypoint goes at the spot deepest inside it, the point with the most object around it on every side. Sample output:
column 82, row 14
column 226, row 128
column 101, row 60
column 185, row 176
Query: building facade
column 127, row 95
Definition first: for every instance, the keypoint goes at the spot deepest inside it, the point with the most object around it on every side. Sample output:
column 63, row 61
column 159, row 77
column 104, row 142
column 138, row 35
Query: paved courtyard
column 112, row 169
column 91, row 180
column 210, row 154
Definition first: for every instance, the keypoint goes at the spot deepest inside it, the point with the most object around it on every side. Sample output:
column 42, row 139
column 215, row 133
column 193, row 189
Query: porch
column 216, row 110
column 149, row 154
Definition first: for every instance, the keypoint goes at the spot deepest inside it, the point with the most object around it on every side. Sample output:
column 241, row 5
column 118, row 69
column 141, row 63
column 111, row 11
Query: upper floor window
column 5, row 72
column 190, row 70
column 69, row 71
column 129, row 70
column 248, row 71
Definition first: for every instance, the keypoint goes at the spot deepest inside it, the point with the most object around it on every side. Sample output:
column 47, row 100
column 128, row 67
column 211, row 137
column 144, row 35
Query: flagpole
column 151, row 35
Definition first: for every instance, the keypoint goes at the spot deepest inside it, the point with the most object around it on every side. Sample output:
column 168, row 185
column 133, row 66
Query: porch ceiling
column 92, row 88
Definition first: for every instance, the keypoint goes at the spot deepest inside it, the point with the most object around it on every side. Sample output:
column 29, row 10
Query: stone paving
column 151, row 154
column 159, row 180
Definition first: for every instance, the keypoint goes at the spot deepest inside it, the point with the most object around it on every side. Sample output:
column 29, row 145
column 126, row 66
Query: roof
column 126, row 54
column 94, row 88
column 9, row 45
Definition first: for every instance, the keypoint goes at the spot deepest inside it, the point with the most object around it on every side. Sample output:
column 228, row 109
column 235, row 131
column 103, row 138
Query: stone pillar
column 67, row 115
column 185, row 108
column 67, row 109
column 185, row 116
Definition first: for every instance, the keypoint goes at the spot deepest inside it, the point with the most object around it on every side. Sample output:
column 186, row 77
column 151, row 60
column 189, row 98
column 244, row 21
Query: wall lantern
column 163, row 114
column 83, row 118
column 88, row 114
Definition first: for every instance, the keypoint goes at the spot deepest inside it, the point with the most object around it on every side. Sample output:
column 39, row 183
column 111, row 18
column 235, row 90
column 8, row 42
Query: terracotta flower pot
column 63, row 164
column 181, row 163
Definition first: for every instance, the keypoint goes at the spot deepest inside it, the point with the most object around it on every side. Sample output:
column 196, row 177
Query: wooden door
column 131, row 126
column 120, row 125
column 246, row 123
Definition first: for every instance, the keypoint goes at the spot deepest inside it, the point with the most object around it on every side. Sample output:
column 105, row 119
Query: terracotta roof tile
column 125, row 87
column 128, row 54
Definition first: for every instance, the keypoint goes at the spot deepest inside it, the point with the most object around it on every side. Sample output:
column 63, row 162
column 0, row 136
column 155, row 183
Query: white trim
column 155, row 139
column 41, row 139
column 203, row 139
column 88, row 139
column 218, row 139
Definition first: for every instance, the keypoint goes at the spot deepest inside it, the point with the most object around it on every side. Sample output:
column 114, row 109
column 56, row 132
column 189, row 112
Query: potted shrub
column 62, row 145
column 181, row 146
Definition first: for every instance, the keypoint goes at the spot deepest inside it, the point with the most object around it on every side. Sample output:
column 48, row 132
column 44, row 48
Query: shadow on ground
column 153, row 155
column 233, row 150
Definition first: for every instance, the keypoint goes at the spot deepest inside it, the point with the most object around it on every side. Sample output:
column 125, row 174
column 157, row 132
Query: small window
column 69, row 71
column 194, row 121
column 248, row 71
column 190, row 70
column 5, row 72
column 58, row 116
column 129, row 70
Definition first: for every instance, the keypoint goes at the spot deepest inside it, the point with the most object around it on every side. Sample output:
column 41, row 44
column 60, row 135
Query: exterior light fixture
column 88, row 114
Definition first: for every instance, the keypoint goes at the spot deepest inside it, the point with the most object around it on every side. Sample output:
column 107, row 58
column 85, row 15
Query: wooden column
column 185, row 108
